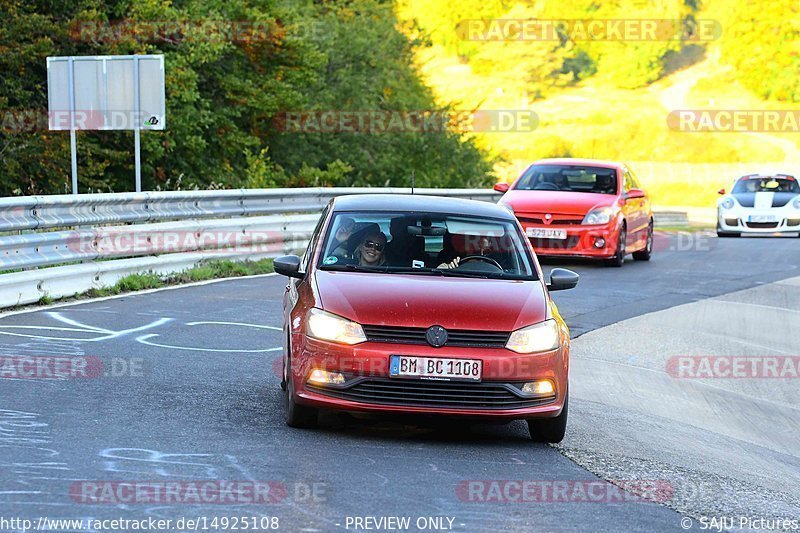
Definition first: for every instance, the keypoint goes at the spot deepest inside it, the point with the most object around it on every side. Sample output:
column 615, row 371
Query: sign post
column 106, row 93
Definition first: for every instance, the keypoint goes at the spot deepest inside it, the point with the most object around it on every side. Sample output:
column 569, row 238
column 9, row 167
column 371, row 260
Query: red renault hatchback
column 582, row 208
column 425, row 305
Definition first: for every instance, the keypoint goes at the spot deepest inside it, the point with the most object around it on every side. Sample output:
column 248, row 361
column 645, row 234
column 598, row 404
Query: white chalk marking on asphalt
column 144, row 340
column 236, row 324
column 82, row 328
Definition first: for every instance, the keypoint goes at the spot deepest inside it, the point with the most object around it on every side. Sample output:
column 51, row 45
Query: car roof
column 419, row 203
column 766, row 176
column 578, row 161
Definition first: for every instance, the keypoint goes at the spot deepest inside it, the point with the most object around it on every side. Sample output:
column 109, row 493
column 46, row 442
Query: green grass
column 201, row 272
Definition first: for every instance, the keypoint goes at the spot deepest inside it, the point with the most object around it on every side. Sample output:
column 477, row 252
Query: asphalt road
column 185, row 390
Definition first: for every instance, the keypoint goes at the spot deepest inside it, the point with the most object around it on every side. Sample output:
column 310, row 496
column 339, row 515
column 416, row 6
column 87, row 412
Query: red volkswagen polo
column 582, row 208
column 419, row 304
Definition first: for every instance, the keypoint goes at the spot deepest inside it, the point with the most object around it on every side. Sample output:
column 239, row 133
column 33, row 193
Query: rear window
column 766, row 184
column 573, row 178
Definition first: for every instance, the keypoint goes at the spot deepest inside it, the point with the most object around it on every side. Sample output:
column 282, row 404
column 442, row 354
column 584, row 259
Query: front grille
column 461, row 338
column 556, row 244
column 421, row 393
column 762, row 225
column 556, row 220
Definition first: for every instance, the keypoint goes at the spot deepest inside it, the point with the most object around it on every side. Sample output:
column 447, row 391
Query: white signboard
column 106, row 93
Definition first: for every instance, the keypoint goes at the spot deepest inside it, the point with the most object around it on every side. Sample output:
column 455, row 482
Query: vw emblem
column 436, row 336
column 548, row 216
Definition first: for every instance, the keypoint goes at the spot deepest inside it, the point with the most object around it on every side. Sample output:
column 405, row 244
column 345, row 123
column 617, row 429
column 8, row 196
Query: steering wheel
column 546, row 187
column 480, row 258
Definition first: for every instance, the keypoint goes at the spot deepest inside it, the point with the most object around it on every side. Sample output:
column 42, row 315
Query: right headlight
column 541, row 337
column 727, row 203
column 334, row 328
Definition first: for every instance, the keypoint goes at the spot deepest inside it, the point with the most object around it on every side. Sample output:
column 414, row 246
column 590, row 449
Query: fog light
column 539, row 388
column 323, row 377
column 599, row 242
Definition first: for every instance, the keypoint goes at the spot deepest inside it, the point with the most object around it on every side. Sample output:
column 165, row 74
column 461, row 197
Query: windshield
column 426, row 244
column 574, row 178
column 766, row 184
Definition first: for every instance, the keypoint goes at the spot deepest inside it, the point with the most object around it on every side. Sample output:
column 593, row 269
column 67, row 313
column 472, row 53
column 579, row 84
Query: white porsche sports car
column 759, row 204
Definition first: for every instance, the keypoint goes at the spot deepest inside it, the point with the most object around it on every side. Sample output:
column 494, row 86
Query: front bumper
column 739, row 220
column 581, row 241
column 369, row 388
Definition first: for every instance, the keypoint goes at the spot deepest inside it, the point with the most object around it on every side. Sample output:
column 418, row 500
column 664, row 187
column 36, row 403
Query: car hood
column 764, row 199
column 559, row 202
column 424, row 301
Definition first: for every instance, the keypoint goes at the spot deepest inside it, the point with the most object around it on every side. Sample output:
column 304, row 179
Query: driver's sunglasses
column 374, row 245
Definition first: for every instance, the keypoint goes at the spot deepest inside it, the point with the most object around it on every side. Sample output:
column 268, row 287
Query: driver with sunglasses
column 370, row 252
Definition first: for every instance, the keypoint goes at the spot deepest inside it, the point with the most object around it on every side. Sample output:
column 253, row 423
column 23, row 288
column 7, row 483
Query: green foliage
column 761, row 40
column 224, row 94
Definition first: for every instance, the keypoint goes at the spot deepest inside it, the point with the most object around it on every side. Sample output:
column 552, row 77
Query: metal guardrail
column 112, row 235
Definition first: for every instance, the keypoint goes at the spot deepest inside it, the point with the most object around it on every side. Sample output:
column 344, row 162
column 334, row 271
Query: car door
column 636, row 209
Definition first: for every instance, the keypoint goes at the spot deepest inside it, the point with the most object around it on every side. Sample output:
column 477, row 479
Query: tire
column 647, row 253
column 550, row 430
column 298, row 416
column 619, row 257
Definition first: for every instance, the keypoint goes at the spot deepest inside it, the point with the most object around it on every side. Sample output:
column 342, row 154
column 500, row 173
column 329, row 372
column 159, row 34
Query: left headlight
column 329, row 327
column 541, row 337
column 599, row 215
column 727, row 203
column 796, row 203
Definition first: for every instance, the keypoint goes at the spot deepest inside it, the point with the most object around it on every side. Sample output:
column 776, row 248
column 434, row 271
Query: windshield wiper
column 354, row 268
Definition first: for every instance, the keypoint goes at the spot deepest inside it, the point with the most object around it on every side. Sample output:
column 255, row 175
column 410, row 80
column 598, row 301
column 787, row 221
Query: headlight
column 541, row 337
column 600, row 215
column 796, row 203
column 727, row 203
column 329, row 327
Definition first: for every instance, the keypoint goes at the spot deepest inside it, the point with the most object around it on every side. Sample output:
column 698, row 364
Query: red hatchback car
column 582, row 208
column 424, row 305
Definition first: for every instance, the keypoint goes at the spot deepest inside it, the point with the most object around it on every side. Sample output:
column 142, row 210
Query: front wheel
column 297, row 416
column 550, row 430
column 644, row 255
column 619, row 257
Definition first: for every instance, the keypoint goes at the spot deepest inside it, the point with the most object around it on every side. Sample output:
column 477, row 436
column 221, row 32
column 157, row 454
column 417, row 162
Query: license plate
column 762, row 218
column 546, row 233
column 435, row 368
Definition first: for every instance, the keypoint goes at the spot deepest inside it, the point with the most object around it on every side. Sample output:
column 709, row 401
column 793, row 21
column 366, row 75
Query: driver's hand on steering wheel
column 452, row 264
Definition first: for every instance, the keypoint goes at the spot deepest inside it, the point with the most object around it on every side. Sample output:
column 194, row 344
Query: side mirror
column 501, row 187
column 562, row 279
column 634, row 193
column 288, row 265
column 721, row 191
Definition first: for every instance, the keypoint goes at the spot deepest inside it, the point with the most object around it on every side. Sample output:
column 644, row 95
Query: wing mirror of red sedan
column 634, row 193
column 721, row 191
column 501, row 187
column 288, row 265
column 562, row 279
